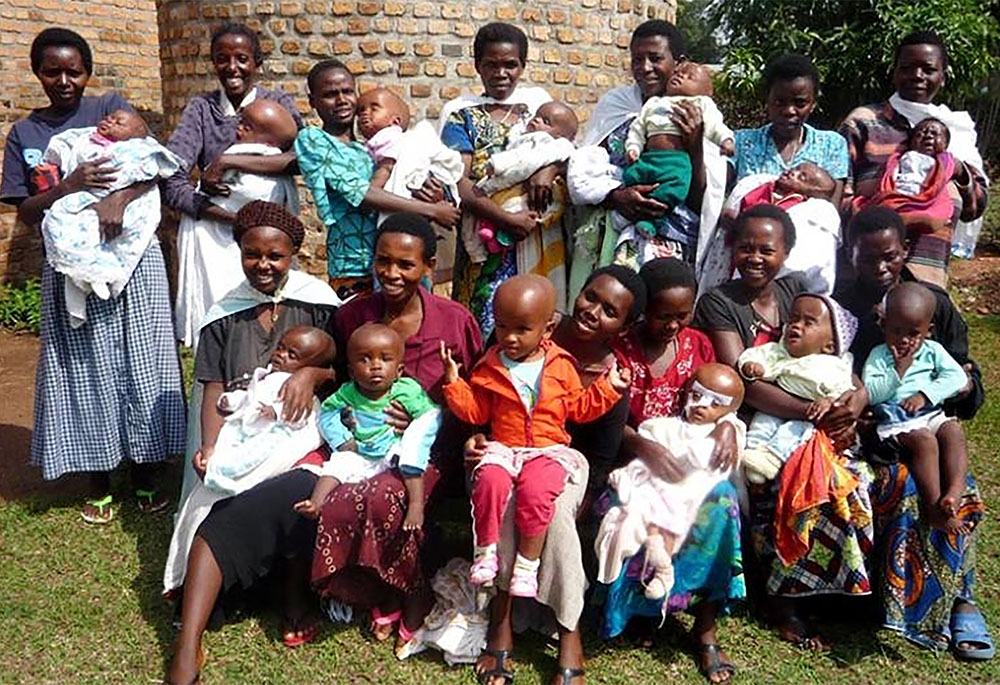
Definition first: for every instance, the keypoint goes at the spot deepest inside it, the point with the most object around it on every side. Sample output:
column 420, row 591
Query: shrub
column 21, row 307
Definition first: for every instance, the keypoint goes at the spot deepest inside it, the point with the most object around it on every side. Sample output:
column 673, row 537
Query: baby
column 265, row 128
column 657, row 514
column 253, row 432
column 74, row 244
column 928, row 140
column 907, row 379
column 526, row 388
column 546, row 139
column 404, row 159
column 795, row 185
column 654, row 147
column 811, row 362
column 364, row 444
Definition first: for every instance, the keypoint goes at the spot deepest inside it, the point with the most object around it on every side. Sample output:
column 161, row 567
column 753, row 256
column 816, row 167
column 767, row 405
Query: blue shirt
column 933, row 372
column 757, row 154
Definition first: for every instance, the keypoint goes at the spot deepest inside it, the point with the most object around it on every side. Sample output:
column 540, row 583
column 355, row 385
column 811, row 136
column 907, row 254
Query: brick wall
column 578, row 50
column 124, row 39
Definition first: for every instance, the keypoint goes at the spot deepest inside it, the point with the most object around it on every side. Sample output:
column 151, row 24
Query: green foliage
column 21, row 307
column 699, row 32
column 852, row 44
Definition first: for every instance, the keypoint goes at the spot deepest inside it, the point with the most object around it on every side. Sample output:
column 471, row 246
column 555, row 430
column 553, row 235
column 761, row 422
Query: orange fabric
column 490, row 397
column 812, row 476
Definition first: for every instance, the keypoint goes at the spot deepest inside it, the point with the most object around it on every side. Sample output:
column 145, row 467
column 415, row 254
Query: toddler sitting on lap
column 654, row 147
column 364, row 444
column 658, row 514
column 74, row 241
column 526, row 388
column 811, row 361
column 907, row 379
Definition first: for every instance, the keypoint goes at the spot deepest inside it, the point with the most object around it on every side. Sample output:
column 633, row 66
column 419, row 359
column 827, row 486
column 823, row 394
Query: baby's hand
column 620, row 378
column 914, row 403
column 753, row 370
column 818, row 409
column 450, row 365
column 631, row 155
column 414, row 517
column 728, row 147
column 200, row 459
column 307, row 508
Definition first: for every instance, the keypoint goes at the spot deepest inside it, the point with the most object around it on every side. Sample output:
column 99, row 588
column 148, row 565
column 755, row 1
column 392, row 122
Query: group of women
column 111, row 391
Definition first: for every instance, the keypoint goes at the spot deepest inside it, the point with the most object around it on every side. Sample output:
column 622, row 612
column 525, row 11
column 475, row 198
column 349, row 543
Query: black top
column 728, row 308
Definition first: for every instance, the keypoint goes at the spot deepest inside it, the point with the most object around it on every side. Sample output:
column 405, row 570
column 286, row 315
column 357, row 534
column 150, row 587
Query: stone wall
column 578, row 49
column 124, row 38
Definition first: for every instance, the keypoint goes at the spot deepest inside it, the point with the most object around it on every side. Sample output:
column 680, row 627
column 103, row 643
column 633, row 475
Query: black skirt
column 250, row 533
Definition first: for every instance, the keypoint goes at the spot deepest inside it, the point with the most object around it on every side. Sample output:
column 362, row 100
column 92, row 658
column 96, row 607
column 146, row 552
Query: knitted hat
column 260, row 213
column 843, row 323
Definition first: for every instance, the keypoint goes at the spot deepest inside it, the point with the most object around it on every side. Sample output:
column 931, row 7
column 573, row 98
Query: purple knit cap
column 844, row 324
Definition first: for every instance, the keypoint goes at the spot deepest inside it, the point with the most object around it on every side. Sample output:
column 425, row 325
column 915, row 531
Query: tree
column 852, row 44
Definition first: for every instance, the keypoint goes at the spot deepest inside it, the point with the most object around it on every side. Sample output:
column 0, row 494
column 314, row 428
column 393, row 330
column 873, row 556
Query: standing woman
column 478, row 127
column 875, row 132
column 209, row 257
column 110, row 390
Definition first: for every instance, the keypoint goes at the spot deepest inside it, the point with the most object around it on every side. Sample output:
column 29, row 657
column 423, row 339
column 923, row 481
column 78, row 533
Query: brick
column 381, row 25
column 368, row 8
column 342, row 47
column 505, row 13
column 574, row 57
column 556, row 16
column 466, row 70
column 480, row 11
column 445, row 93
column 291, row 47
column 264, row 8
column 317, row 7
column 438, row 26
column 539, row 76
column 531, row 14
column 612, row 59
column 356, row 66
column 303, row 25
column 407, row 26
column 404, row 69
column 318, row 48
column 578, row 20
column 452, row 50
column 465, row 29
column 332, row 26
column 423, row 9
column 369, row 47
column 582, row 78
column 594, row 59
column 452, row 11
column 423, row 49
column 395, row 47
column 278, row 26
column 623, row 41
column 342, row 9
column 566, row 35
column 394, row 9
column 551, row 55
column 291, row 9
column 573, row 96
column 541, row 33
column 434, row 68
column 420, row 90
column 301, row 67
column 562, row 75
column 381, row 66
column 357, row 26
column 624, row 5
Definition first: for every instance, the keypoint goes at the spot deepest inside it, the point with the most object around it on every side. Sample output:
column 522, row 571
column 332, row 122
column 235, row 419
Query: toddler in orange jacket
column 526, row 387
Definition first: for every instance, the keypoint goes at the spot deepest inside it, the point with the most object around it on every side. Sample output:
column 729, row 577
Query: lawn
column 82, row 604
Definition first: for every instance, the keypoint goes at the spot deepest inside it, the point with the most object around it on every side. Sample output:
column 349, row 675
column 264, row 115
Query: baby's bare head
column 303, row 346
column 122, row 124
column 806, row 178
column 930, row 136
column 689, row 79
column 715, row 390
column 268, row 123
column 556, row 119
column 380, row 108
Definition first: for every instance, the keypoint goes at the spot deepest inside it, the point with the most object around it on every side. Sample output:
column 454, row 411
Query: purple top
column 29, row 137
column 203, row 134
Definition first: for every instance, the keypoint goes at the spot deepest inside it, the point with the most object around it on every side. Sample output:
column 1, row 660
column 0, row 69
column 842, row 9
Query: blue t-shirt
column 527, row 378
column 757, row 154
column 29, row 137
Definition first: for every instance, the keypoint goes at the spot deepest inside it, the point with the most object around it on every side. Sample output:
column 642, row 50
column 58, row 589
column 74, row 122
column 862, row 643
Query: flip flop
column 566, row 675
column 105, row 512
column 930, row 640
column 149, row 503
column 715, row 663
column 296, row 637
column 499, row 669
column 970, row 627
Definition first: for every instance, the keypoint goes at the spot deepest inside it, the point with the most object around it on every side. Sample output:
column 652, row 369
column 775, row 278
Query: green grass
column 81, row 605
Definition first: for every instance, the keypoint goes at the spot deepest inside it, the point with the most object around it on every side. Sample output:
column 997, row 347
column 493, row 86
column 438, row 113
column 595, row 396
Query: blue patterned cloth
column 707, row 568
column 757, row 154
column 339, row 174
column 111, row 390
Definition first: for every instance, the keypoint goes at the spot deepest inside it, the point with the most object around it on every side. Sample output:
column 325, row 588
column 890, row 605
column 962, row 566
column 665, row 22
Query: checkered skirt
column 112, row 388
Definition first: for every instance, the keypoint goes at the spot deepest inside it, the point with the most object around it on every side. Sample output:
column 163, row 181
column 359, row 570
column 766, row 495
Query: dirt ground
column 975, row 285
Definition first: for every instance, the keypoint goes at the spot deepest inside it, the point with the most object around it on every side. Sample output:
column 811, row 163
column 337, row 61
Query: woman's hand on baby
column 445, row 213
column 211, row 178
column 914, row 403
column 726, row 454
column 99, row 174
column 200, row 459
column 687, row 118
column 111, row 215
column 397, row 416
column 297, row 394
column 620, row 377
column 431, row 192
column 474, row 450
column 539, row 187
column 631, row 202
column 307, row 508
column 450, row 365
column 728, row 147
column 818, row 409
column 657, row 459
column 521, row 224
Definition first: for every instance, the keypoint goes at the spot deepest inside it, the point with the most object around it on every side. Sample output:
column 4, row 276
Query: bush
column 21, row 307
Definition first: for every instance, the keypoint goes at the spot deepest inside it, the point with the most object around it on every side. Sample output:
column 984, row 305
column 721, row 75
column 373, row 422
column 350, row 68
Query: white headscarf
column 960, row 126
column 531, row 97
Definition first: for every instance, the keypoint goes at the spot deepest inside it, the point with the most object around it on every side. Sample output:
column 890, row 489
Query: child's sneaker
column 524, row 583
column 484, row 569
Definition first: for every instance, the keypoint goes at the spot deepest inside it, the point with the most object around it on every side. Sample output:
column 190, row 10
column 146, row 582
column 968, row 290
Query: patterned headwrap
column 844, row 324
column 260, row 213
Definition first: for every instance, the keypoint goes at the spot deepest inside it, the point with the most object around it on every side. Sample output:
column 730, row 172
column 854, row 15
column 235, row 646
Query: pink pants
column 540, row 481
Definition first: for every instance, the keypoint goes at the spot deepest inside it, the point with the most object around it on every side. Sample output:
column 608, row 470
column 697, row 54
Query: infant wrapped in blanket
column 74, row 244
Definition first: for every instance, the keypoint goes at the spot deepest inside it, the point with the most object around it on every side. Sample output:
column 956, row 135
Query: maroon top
column 443, row 320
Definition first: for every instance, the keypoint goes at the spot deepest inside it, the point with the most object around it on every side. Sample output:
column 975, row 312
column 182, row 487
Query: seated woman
column 791, row 84
column 747, row 312
column 351, row 564
column 608, row 304
column 663, row 352
column 244, row 537
column 875, row 132
column 912, row 600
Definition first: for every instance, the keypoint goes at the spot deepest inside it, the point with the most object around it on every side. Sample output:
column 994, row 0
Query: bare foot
column 942, row 516
column 794, row 630
column 382, row 631
column 186, row 666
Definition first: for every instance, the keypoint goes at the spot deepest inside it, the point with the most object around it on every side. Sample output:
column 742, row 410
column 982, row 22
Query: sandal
column 970, row 627
column 406, row 644
column 566, row 675
column 296, row 637
column 149, row 503
column 794, row 631
column 715, row 663
column 499, row 669
column 98, row 511
column 380, row 620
